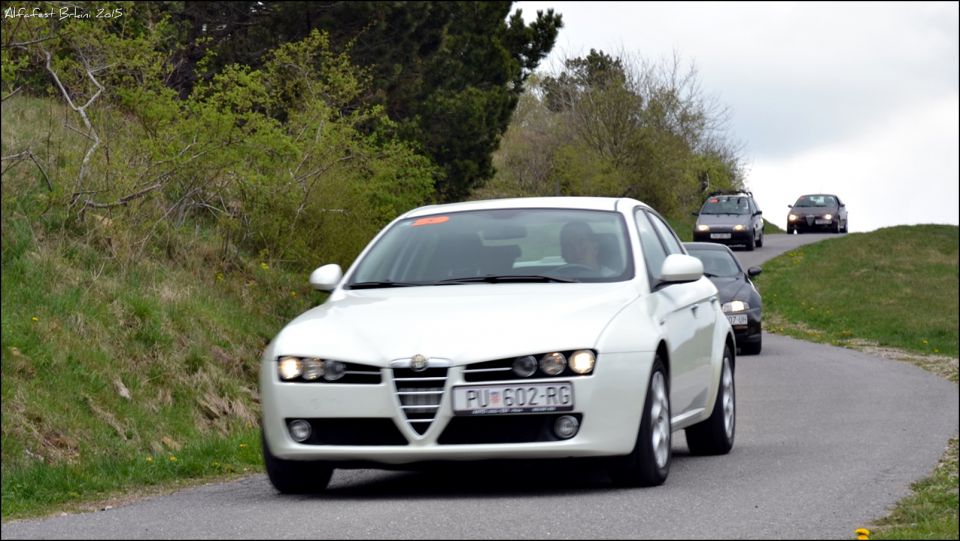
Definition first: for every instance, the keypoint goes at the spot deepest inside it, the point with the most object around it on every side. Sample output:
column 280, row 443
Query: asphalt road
column 827, row 440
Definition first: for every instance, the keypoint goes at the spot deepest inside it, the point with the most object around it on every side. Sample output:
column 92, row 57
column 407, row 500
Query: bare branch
column 10, row 95
column 20, row 156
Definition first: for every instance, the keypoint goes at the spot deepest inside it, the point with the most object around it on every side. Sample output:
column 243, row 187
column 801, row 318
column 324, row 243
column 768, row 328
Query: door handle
column 694, row 310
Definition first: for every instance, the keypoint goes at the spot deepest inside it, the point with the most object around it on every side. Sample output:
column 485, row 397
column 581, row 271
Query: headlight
column 703, row 227
column 525, row 366
column 735, row 306
column 828, row 216
column 792, row 217
column 312, row 369
column 738, row 227
column 553, row 363
column 290, row 368
column 582, row 361
column 334, row 370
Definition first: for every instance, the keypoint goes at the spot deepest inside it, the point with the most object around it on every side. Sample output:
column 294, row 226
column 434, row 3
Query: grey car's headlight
column 738, row 227
column 828, row 216
column 792, row 217
column 703, row 227
column 290, row 368
column 735, row 306
column 582, row 361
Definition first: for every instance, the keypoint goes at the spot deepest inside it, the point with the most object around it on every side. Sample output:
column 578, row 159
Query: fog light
column 525, row 366
column 566, row 427
column 300, row 430
column 312, row 369
column 290, row 368
column 582, row 361
column 553, row 363
column 333, row 370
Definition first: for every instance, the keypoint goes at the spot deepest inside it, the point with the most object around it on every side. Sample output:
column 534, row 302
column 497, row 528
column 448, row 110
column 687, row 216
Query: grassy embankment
column 124, row 368
column 891, row 292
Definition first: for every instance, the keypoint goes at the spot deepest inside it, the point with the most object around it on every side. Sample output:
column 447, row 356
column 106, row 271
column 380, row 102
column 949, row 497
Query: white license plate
column 719, row 235
column 822, row 222
column 517, row 398
column 737, row 319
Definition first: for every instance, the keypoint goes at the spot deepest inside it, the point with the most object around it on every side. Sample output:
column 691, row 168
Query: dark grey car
column 739, row 297
column 731, row 218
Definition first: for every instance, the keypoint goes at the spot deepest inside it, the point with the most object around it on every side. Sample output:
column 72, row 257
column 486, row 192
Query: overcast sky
column 859, row 99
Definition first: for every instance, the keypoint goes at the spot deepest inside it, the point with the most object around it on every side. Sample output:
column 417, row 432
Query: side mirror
column 327, row 277
column 681, row 268
column 789, row 206
column 753, row 271
column 694, row 214
column 759, row 212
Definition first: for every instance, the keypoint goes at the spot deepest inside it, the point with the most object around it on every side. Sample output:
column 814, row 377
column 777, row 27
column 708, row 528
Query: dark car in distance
column 730, row 218
column 817, row 212
column 739, row 297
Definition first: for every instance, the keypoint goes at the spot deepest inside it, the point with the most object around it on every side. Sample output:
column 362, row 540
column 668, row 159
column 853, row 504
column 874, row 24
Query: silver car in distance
column 529, row 328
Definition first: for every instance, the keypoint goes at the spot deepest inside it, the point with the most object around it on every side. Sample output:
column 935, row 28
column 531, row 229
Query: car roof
column 815, row 194
column 563, row 202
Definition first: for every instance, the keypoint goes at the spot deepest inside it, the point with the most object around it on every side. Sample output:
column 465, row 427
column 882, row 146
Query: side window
column 653, row 252
column 666, row 234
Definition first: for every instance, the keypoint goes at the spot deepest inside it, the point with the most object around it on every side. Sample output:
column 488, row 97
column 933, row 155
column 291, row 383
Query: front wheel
column 294, row 476
column 760, row 240
column 649, row 462
column 715, row 435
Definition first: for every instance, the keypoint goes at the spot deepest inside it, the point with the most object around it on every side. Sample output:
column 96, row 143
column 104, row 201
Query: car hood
column 463, row 323
column 723, row 219
column 731, row 288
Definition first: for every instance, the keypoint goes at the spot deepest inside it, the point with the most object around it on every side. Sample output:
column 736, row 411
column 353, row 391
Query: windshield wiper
column 374, row 285
column 506, row 278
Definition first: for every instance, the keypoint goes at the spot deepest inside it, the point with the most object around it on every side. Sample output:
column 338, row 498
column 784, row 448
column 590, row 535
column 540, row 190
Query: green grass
column 891, row 292
column 894, row 287
column 769, row 228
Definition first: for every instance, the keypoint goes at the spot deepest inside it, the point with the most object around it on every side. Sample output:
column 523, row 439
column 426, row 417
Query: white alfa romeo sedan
column 530, row 328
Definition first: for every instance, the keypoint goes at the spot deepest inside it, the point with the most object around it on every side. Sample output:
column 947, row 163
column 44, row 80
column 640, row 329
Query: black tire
column 295, row 476
column 846, row 226
column 789, row 230
column 752, row 348
column 649, row 462
column 837, row 230
column 715, row 435
column 760, row 240
column 753, row 242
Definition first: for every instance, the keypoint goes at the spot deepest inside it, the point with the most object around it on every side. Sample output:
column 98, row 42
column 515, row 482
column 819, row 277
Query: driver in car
column 579, row 246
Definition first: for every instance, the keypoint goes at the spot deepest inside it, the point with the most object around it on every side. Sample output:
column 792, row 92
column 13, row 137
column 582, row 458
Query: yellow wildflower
column 862, row 533
column 173, row 458
column 149, row 459
column 264, row 266
column 35, row 319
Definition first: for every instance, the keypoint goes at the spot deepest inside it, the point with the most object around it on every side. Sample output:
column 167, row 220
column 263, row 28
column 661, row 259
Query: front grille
column 353, row 431
column 501, row 429
column 420, row 394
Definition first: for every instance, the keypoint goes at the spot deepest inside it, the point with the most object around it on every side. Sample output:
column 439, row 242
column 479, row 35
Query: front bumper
column 751, row 332
column 607, row 403
column 810, row 223
column 734, row 238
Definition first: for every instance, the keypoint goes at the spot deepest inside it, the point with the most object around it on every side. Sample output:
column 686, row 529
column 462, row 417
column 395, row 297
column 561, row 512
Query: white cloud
column 903, row 170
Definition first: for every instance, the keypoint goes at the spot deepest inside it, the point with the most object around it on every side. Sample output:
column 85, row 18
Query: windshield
column 726, row 205
column 816, row 201
column 716, row 262
column 503, row 245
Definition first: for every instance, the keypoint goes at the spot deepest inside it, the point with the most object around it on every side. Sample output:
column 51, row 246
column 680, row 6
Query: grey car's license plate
column 719, row 235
